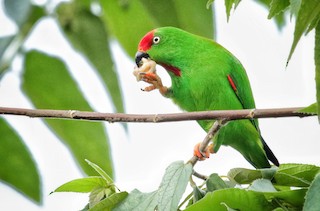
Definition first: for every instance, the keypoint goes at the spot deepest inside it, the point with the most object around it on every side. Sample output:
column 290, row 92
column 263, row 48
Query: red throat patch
column 176, row 71
column 146, row 42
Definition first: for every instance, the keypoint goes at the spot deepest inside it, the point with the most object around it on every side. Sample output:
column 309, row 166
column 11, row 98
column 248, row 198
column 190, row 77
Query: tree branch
column 213, row 130
column 155, row 118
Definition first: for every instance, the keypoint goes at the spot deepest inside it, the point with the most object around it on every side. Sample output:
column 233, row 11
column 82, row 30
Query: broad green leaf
column 189, row 15
column 83, row 185
column 317, row 63
column 128, row 21
column 194, row 17
column 18, row 169
column 238, row 199
column 262, row 185
column 87, row 34
column 18, row 11
column 173, row 185
column 214, row 182
column 229, row 5
column 312, row 202
column 137, row 201
column 299, row 175
column 48, row 84
column 293, row 197
column 309, row 10
column 159, row 11
column 110, row 202
column 277, row 7
column 311, row 109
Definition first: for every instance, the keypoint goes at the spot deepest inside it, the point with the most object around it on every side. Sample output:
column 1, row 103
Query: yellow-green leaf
column 233, row 198
column 83, row 185
column 311, row 109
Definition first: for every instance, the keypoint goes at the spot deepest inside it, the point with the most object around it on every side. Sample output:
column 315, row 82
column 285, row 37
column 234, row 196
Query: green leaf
column 299, row 175
column 18, row 11
column 83, row 185
column 294, row 7
column 18, row 169
column 246, row 176
column 309, row 10
column 9, row 46
column 128, row 21
column 194, row 17
column 262, row 185
column 214, row 182
column 173, row 185
column 110, row 202
column 312, row 202
column 4, row 43
column 317, row 63
column 209, row 2
column 87, row 34
column 48, row 84
column 189, row 15
column 233, row 198
column 293, row 197
column 137, row 201
column 277, row 7
column 280, row 18
column 98, row 194
column 100, row 171
column 311, row 109
column 198, row 193
column 229, row 5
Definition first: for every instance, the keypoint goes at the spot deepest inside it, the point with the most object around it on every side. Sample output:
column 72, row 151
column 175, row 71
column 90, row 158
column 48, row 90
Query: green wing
column 245, row 97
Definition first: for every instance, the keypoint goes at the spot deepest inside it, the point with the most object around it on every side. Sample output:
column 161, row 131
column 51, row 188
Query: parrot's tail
column 269, row 153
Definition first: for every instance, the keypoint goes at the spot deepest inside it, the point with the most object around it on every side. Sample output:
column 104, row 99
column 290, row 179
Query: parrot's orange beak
column 139, row 56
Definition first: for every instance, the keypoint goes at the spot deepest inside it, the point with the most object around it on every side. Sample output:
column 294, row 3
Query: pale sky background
column 140, row 158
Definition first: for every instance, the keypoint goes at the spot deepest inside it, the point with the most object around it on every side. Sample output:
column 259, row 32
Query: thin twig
column 213, row 130
column 155, row 118
column 200, row 176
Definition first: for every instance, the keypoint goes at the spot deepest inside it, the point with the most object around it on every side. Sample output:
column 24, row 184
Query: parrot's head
column 164, row 46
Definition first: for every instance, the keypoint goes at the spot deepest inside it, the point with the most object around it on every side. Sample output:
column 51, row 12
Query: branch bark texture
column 155, row 118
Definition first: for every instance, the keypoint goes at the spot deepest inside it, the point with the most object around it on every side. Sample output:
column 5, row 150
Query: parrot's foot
column 147, row 73
column 205, row 154
column 155, row 82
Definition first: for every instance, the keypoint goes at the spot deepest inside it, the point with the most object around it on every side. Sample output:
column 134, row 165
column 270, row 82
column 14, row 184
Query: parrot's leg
column 205, row 154
column 155, row 81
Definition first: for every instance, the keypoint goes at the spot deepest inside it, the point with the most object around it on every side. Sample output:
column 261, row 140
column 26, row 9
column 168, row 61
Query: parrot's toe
column 202, row 155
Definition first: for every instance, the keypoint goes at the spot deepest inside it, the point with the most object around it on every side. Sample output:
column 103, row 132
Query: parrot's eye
column 156, row 40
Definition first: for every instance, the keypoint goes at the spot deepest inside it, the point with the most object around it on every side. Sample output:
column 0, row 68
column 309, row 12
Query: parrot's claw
column 202, row 155
column 147, row 73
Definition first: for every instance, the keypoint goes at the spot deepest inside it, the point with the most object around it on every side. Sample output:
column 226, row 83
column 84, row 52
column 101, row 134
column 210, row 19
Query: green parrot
column 206, row 76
